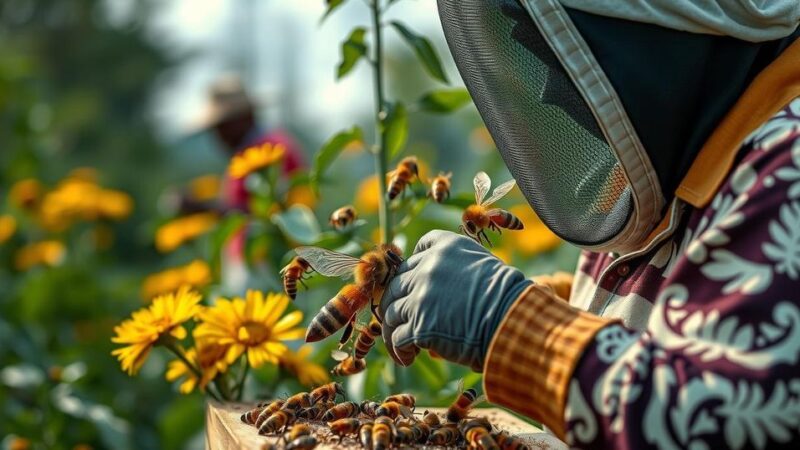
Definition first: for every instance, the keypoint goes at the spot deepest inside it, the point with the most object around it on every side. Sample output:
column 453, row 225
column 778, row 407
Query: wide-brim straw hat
column 227, row 98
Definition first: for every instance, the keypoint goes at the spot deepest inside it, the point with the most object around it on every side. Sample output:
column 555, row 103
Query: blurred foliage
column 74, row 89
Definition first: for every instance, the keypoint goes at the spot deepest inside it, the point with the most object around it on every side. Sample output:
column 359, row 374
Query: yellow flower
column 251, row 326
column 205, row 188
column 302, row 195
column 163, row 319
column 114, row 205
column 48, row 253
column 195, row 274
column 307, row 373
column 8, row 226
column 19, row 443
column 535, row 238
column 174, row 233
column 79, row 197
column 211, row 362
column 255, row 158
column 368, row 195
column 26, row 193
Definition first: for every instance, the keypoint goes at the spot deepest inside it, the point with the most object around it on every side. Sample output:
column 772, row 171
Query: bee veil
column 572, row 133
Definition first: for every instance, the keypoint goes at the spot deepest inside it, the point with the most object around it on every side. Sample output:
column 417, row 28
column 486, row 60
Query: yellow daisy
column 48, row 253
column 255, row 158
column 174, row 233
column 211, row 361
column 26, row 193
column 251, row 326
column 205, row 188
column 8, row 226
column 164, row 318
column 196, row 274
column 307, row 373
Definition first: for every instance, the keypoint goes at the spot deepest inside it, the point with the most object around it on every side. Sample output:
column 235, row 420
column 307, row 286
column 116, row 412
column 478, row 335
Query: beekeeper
column 663, row 138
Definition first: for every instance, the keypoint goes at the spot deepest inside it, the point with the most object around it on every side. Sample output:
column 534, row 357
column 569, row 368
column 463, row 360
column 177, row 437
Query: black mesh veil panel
column 543, row 128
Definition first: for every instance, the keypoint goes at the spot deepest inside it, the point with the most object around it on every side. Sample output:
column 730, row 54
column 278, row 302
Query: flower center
column 253, row 333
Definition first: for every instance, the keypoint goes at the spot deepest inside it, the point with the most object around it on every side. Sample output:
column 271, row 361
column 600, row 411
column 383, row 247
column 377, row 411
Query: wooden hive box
column 225, row 430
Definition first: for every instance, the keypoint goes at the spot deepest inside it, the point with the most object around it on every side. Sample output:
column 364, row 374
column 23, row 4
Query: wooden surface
column 225, row 430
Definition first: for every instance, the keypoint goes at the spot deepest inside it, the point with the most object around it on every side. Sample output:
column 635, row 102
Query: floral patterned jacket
column 703, row 347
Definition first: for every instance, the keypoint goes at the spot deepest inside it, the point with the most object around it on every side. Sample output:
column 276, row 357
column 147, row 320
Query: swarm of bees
column 374, row 269
column 299, row 422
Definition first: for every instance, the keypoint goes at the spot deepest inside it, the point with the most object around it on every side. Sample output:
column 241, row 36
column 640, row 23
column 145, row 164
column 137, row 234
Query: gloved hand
column 448, row 297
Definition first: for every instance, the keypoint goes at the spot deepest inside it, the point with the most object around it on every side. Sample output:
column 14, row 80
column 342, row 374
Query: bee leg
column 483, row 233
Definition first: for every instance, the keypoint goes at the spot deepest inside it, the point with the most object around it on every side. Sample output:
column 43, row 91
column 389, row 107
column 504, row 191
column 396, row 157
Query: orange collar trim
column 771, row 90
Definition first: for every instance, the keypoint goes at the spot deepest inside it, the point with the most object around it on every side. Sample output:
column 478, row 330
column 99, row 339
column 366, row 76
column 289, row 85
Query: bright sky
column 281, row 46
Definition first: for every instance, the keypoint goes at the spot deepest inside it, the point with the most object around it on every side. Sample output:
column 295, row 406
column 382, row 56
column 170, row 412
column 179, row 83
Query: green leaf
column 395, row 127
column 328, row 153
column 299, row 224
column 444, row 100
column 353, row 49
column 226, row 228
column 460, row 200
column 332, row 6
column 424, row 50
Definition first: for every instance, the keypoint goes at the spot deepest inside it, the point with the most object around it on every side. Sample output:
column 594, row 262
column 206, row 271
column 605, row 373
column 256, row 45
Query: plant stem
column 242, row 379
column 381, row 163
column 174, row 348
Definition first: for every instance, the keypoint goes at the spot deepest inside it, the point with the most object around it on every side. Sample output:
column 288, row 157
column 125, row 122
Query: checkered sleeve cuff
column 534, row 353
column 560, row 283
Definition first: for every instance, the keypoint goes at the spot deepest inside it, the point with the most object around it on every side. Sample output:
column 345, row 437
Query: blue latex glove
column 448, row 297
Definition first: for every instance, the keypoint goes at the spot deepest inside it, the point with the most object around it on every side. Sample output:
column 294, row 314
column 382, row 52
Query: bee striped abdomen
column 366, row 339
column 336, row 313
column 507, row 220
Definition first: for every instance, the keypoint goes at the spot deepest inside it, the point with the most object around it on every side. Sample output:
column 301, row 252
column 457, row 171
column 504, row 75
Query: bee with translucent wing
column 371, row 274
column 478, row 217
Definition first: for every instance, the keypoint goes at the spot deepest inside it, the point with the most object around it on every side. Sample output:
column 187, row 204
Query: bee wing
column 328, row 262
column 339, row 355
column 482, row 183
column 460, row 386
column 479, row 399
column 500, row 192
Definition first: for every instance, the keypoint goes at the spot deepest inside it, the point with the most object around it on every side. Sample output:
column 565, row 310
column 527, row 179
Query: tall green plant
column 390, row 119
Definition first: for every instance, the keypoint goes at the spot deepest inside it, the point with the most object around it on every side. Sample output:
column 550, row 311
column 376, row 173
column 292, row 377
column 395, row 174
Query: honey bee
column 445, row 435
column 508, row 442
column 327, row 392
column 348, row 365
column 277, row 422
column 403, row 435
column 406, row 400
column 366, row 338
column 382, row 433
column 393, row 410
column 340, row 411
column 372, row 273
column 365, row 435
column 440, row 187
column 476, row 433
column 295, row 271
column 343, row 218
column 298, row 430
column 478, row 217
column 297, row 401
column 251, row 415
column 344, row 427
column 421, row 432
column 405, row 172
column 369, row 408
column 268, row 411
column 315, row 411
column 463, row 404
column 431, row 419
column 302, row 443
